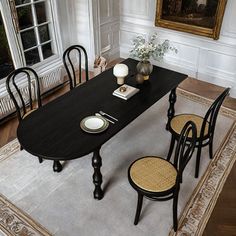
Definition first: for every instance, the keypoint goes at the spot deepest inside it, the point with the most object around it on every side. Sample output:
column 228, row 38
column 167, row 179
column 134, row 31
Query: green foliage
column 145, row 49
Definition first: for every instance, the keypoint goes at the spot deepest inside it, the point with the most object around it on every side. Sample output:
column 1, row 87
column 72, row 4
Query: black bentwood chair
column 205, row 128
column 78, row 53
column 24, row 98
column 158, row 179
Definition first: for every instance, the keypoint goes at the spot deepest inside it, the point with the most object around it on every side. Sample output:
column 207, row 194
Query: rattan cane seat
column 178, row 122
column 153, row 174
column 28, row 112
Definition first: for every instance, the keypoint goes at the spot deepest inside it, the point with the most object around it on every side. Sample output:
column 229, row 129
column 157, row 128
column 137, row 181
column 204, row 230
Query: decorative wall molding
column 109, row 29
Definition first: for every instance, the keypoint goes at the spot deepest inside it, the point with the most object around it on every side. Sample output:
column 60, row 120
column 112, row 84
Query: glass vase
column 144, row 68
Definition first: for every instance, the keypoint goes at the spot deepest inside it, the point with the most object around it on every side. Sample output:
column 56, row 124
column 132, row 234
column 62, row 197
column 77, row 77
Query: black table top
column 53, row 131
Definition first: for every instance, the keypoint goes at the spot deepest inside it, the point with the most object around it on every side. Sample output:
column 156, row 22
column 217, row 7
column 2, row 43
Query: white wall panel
column 116, row 35
column 135, row 8
column 105, row 11
column 105, row 38
column 229, row 25
column 109, row 28
column 218, row 64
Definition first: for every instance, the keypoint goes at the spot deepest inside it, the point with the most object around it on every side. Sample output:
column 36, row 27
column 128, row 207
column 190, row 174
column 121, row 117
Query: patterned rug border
column 225, row 111
column 14, row 221
column 198, row 210
column 9, row 149
column 195, row 215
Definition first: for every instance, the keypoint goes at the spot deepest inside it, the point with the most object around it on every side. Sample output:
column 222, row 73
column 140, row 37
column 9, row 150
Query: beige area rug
column 62, row 202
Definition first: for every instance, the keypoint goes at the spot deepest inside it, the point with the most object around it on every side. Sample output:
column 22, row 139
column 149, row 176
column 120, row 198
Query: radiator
column 50, row 80
column 6, row 104
column 47, row 82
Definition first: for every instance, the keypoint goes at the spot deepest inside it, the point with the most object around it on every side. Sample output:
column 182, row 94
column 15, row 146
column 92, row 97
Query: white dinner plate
column 94, row 124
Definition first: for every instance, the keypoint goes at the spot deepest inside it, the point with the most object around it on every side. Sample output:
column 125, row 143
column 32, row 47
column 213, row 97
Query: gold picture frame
column 191, row 16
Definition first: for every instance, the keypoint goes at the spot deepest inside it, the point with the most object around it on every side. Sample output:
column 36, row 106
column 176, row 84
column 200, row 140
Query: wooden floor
column 223, row 219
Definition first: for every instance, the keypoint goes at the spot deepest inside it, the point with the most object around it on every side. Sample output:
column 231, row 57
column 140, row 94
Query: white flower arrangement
column 144, row 50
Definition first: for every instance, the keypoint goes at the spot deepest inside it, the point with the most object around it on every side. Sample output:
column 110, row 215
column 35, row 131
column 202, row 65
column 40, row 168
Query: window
column 35, row 30
column 29, row 36
column 6, row 64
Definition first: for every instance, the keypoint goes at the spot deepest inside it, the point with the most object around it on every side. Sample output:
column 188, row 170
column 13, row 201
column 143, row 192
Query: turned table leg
column 171, row 110
column 97, row 176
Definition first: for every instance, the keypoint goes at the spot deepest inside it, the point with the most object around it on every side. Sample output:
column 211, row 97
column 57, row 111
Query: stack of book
column 125, row 91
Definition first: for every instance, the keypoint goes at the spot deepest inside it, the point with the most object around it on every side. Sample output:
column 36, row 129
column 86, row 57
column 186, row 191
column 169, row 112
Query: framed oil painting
column 201, row 17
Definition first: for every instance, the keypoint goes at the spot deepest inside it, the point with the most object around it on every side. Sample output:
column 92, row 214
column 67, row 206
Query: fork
column 97, row 114
column 105, row 114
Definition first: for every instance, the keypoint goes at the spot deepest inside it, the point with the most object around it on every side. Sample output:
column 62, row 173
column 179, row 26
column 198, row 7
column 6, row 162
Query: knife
column 105, row 114
column 97, row 114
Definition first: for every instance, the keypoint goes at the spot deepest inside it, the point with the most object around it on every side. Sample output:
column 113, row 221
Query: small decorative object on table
column 125, row 91
column 145, row 49
column 120, row 71
column 100, row 64
column 139, row 78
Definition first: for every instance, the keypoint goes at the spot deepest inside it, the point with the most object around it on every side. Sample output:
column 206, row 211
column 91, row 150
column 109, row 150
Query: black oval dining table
column 53, row 131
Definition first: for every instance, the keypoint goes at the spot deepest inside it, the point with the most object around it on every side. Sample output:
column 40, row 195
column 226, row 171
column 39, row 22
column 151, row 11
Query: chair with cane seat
column 26, row 98
column 157, row 179
column 205, row 128
column 24, row 104
column 78, row 53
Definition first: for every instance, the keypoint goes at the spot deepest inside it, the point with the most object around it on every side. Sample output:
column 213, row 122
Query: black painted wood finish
column 205, row 138
column 183, row 154
column 55, row 131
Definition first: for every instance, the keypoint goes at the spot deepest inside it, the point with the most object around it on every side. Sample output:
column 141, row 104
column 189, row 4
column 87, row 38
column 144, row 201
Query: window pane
column 47, row 50
column 6, row 64
column 32, row 57
column 28, row 39
column 25, row 17
column 19, row 2
column 41, row 12
column 44, row 33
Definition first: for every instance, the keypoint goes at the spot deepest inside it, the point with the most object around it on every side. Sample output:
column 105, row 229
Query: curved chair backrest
column 67, row 58
column 185, row 148
column 212, row 114
column 32, row 91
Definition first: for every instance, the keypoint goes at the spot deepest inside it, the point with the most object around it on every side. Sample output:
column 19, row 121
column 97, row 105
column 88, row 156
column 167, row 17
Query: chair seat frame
column 183, row 153
column 210, row 118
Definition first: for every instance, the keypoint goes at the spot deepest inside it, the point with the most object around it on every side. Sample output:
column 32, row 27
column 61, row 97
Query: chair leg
column 199, row 150
column 211, row 149
column 40, row 159
column 172, row 144
column 175, row 211
column 139, row 207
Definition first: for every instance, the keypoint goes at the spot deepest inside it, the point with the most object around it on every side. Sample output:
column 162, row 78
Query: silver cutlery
column 105, row 114
column 97, row 114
